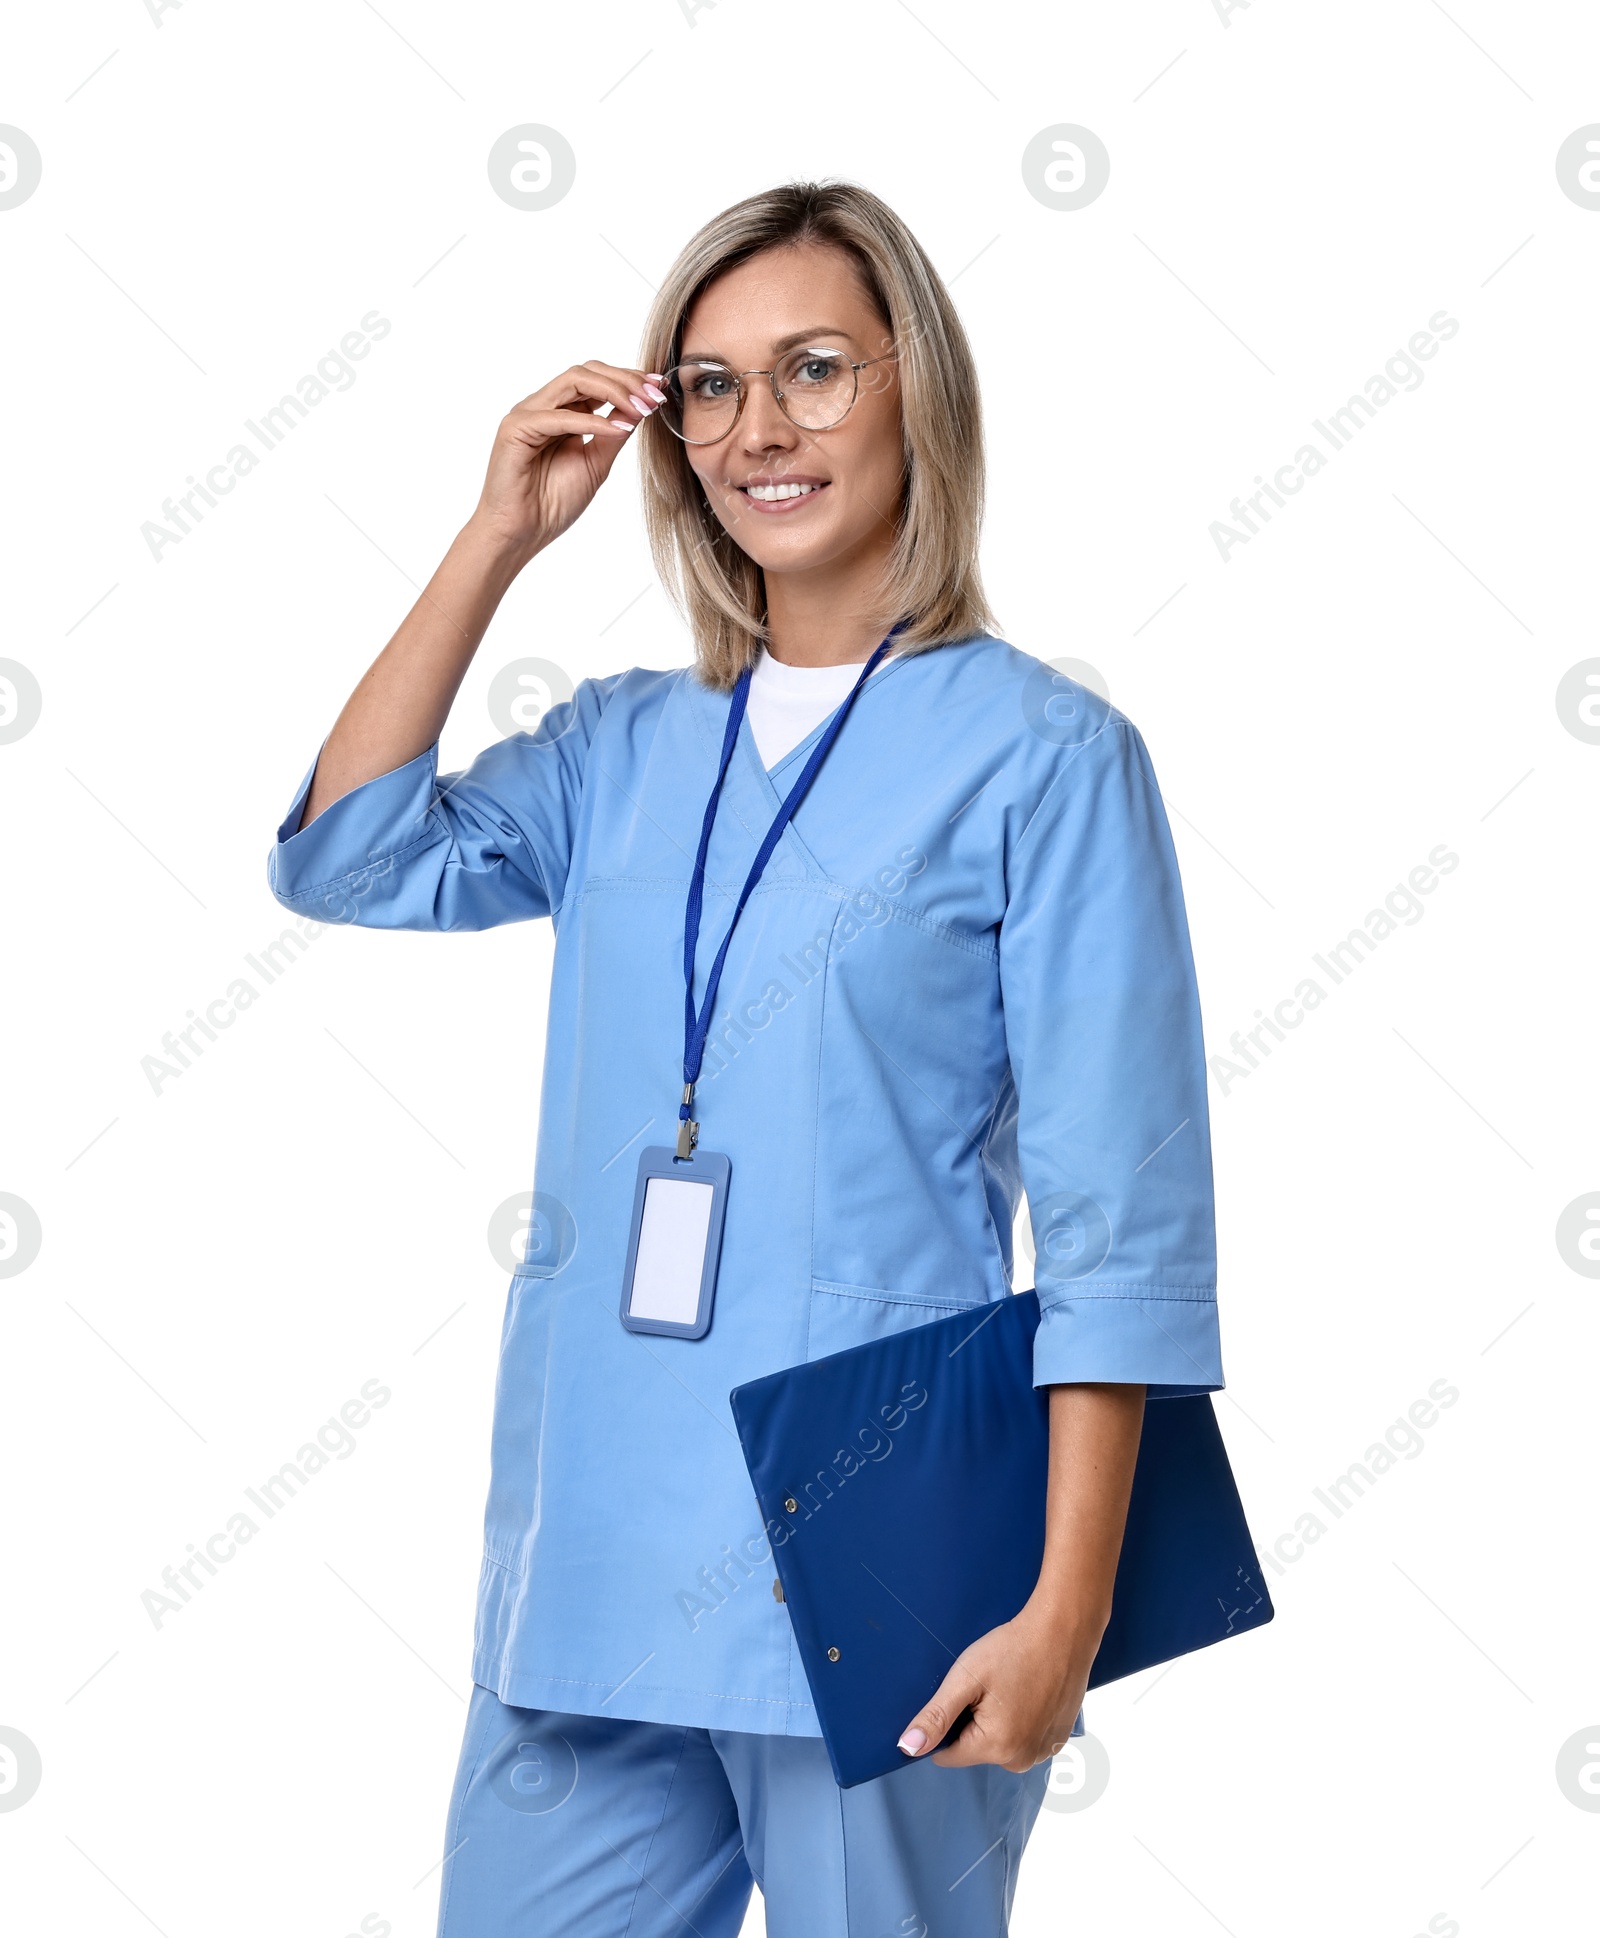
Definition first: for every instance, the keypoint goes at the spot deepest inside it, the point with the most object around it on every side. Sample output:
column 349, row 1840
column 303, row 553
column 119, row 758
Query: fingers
column 602, row 452
column 642, row 389
column 976, row 1745
column 932, row 1723
column 973, row 1745
column 590, row 386
column 986, row 1739
column 544, row 426
column 990, row 1728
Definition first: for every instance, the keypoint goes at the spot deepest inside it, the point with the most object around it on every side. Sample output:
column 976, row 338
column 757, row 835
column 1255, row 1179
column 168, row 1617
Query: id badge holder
column 674, row 1242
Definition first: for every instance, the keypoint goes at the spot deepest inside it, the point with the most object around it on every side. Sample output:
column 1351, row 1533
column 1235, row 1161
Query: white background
column 1293, row 193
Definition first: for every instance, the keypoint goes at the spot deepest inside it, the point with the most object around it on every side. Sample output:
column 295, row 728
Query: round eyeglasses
column 814, row 388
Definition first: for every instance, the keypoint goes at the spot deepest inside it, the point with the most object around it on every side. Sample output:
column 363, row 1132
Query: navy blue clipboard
column 902, row 1484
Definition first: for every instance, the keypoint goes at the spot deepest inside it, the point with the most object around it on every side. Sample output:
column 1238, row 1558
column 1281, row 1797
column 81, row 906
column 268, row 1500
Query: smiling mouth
column 769, row 498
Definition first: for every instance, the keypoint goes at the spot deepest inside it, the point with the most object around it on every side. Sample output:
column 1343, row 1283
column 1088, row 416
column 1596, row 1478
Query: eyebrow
column 778, row 348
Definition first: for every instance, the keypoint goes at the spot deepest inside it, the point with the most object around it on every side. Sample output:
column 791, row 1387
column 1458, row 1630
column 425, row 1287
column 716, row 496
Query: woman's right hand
column 541, row 476
column 541, row 473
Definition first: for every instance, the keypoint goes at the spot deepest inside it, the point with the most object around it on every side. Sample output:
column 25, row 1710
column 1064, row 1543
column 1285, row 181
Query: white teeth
column 770, row 494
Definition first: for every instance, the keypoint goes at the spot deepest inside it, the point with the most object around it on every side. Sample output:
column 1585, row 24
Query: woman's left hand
column 1024, row 1684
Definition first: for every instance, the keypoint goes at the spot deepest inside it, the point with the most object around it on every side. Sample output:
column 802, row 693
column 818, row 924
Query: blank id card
column 670, row 1279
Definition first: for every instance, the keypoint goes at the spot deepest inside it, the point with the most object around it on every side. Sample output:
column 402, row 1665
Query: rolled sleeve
column 1129, row 1338
column 412, row 849
column 1103, row 1028
column 347, row 866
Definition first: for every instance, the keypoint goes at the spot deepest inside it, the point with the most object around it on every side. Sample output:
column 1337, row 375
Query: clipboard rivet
column 833, row 1655
column 791, row 1505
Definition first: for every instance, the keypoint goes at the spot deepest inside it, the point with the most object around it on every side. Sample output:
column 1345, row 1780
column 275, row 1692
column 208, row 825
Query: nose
column 762, row 424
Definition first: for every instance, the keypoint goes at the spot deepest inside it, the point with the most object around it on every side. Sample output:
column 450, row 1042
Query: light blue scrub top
column 965, row 973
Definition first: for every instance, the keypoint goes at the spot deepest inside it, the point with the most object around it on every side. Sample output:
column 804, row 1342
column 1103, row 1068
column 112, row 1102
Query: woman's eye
column 816, row 370
column 712, row 385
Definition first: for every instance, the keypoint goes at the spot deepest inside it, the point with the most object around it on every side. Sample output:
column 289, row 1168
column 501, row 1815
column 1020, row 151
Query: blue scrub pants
column 591, row 1827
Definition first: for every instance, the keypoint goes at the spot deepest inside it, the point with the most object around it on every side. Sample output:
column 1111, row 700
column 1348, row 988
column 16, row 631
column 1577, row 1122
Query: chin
column 794, row 558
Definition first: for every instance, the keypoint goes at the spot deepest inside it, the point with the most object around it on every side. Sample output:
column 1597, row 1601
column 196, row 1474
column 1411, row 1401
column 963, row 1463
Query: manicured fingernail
column 655, row 376
column 640, row 405
column 914, row 1742
column 655, row 396
column 617, row 424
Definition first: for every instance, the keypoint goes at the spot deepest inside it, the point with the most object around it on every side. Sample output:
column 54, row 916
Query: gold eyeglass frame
column 738, row 376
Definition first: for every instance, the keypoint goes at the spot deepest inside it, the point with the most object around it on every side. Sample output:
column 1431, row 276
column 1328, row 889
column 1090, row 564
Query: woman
column 963, row 972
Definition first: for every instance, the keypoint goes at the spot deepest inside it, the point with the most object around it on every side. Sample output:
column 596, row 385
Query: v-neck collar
column 772, row 786
column 756, row 790
column 775, row 780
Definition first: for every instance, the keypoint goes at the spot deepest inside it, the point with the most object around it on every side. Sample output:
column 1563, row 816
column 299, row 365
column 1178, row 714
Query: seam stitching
column 815, row 884
column 669, row 1689
column 1130, row 1291
column 371, row 868
column 1114, row 719
column 884, row 1296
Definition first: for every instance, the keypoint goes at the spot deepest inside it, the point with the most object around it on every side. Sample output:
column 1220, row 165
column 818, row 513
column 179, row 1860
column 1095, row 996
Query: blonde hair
column 933, row 581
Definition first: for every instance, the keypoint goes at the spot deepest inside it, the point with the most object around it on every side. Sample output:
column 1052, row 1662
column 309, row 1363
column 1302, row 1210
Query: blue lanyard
column 696, row 1028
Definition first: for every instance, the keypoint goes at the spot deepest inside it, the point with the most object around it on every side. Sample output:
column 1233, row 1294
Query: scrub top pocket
column 850, row 1315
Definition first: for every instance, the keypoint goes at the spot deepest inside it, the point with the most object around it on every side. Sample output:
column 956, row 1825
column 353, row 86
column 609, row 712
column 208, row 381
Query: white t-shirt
column 786, row 702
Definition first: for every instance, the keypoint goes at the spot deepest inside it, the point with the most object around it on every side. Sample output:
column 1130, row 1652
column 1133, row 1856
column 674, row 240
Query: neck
column 832, row 617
